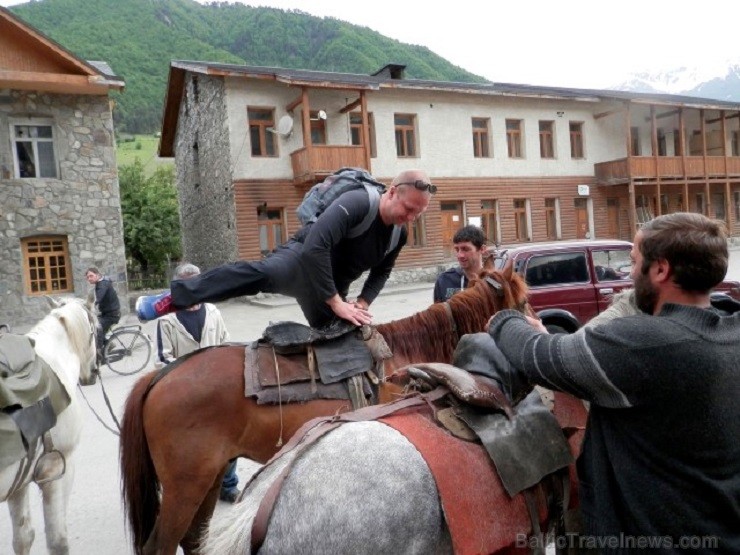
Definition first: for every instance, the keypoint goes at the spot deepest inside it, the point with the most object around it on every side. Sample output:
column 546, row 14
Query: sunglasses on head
column 420, row 185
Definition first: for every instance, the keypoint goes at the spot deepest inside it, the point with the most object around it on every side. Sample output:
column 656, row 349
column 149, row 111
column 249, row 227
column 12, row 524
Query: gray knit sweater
column 661, row 457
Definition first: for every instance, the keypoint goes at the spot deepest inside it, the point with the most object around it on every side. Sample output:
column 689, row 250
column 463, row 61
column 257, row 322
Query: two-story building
column 527, row 163
column 60, row 208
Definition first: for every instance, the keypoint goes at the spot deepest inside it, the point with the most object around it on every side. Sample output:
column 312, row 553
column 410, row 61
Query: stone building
column 526, row 163
column 59, row 199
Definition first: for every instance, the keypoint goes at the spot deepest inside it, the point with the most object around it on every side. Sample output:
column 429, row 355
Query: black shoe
column 229, row 495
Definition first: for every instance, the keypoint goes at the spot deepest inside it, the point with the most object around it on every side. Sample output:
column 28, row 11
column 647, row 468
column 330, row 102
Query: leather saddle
column 293, row 362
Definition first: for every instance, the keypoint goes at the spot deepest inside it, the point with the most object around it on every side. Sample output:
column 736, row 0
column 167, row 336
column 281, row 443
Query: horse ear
column 53, row 303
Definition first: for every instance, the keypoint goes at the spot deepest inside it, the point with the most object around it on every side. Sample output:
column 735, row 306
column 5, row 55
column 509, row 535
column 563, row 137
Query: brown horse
column 179, row 435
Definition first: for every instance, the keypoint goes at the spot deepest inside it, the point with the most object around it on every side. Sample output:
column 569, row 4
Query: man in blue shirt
column 470, row 247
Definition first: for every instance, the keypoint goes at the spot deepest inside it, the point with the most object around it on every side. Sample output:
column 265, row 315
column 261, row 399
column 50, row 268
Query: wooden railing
column 667, row 167
column 317, row 161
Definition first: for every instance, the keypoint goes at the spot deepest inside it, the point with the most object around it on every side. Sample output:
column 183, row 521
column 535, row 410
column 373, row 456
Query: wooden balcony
column 313, row 163
column 667, row 168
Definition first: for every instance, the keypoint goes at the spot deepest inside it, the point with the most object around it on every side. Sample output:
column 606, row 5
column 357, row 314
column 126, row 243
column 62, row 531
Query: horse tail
column 140, row 484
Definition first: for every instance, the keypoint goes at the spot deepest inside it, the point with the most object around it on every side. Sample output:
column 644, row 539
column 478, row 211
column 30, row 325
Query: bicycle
column 127, row 349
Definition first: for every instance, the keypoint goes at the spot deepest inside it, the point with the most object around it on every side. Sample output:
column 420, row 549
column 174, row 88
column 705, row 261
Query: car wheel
column 554, row 328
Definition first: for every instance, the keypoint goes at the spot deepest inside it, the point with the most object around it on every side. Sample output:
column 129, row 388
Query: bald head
column 409, row 176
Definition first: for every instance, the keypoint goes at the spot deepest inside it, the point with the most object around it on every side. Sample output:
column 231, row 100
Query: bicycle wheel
column 127, row 352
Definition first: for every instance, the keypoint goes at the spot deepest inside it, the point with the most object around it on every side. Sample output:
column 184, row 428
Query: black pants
column 280, row 272
column 105, row 321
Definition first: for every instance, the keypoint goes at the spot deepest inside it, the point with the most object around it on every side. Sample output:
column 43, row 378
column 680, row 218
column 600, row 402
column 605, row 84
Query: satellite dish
column 284, row 126
column 322, row 114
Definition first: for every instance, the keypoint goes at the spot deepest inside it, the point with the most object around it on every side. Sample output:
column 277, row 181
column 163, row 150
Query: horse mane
column 429, row 335
column 75, row 319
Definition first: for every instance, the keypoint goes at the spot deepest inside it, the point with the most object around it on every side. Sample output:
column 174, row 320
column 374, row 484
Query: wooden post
column 306, row 119
column 365, row 131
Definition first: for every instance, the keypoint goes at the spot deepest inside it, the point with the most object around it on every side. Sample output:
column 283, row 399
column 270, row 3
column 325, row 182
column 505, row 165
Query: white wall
column 444, row 131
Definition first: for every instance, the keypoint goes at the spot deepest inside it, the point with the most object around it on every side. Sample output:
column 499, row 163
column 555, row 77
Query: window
column 261, row 124
column 46, row 265
column 736, row 143
column 489, row 220
column 33, row 151
column 718, row 206
column 405, row 125
column 736, row 195
column 699, row 203
column 318, row 128
column 481, row 140
column 611, row 264
column 576, row 139
column 271, row 228
column 634, row 141
column 547, row 149
column 355, row 129
column 552, row 217
column 677, row 146
column 416, row 232
column 555, row 269
column 661, row 143
column 521, row 225
column 514, row 137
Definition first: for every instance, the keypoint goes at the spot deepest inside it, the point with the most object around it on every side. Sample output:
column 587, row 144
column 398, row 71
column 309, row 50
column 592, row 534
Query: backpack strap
column 374, row 195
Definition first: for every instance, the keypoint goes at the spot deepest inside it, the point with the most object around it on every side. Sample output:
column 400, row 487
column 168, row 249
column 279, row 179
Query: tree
column 151, row 220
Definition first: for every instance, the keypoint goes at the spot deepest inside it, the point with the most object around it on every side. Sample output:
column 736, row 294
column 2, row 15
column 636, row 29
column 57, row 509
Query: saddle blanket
column 480, row 515
column 31, row 397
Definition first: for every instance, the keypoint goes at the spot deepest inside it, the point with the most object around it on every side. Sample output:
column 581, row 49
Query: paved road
column 95, row 523
column 95, row 520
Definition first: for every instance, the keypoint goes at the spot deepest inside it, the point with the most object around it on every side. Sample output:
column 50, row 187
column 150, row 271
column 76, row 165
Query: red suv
column 571, row 282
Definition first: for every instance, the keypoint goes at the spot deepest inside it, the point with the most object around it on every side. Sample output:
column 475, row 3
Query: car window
column 611, row 264
column 555, row 269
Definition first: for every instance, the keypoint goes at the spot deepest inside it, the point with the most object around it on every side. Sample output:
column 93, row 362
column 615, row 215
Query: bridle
column 498, row 289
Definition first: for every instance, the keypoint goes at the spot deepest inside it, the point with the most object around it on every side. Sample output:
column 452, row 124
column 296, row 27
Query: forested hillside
column 139, row 38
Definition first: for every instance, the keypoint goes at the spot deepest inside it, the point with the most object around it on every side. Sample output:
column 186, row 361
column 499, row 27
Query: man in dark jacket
column 319, row 263
column 660, row 464
column 106, row 299
column 469, row 244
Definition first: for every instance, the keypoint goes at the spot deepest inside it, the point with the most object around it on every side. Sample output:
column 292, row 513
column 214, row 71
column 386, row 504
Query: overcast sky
column 569, row 43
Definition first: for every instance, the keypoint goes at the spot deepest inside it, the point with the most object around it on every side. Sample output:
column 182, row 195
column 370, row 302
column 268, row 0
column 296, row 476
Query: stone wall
column 82, row 204
column 203, row 166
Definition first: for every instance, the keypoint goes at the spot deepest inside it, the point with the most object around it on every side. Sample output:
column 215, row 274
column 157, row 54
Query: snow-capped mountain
column 720, row 80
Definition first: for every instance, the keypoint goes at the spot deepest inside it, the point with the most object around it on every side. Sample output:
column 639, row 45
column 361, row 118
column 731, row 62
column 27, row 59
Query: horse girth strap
column 308, row 434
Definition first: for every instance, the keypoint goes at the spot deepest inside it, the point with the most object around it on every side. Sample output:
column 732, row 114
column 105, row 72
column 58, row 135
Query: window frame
column 514, row 138
column 36, row 123
column 317, row 129
column 47, row 268
column 269, row 225
column 416, row 231
column 264, row 128
column 356, row 127
column 575, row 131
column 552, row 218
column 521, row 220
column 490, row 222
column 547, row 139
column 481, row 137
column 405, row 136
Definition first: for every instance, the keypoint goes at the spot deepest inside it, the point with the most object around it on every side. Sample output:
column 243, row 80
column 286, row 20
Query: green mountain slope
column 139, row 38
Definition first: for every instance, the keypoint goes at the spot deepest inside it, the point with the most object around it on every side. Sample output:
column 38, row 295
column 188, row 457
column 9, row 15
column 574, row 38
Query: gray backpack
column 321, row 195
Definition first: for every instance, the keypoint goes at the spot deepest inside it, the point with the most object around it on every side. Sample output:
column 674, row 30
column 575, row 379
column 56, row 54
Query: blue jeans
column 231, row 480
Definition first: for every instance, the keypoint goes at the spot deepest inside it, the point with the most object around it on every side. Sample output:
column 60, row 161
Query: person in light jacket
column 186, row 330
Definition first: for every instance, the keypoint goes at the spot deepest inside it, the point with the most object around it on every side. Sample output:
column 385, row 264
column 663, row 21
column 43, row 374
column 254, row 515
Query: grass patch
column 143, row 147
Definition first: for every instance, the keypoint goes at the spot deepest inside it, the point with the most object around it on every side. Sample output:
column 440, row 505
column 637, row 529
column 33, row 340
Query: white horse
column 65, row 339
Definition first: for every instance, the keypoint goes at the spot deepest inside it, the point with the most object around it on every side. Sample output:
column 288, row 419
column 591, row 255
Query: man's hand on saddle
column 354, row 312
